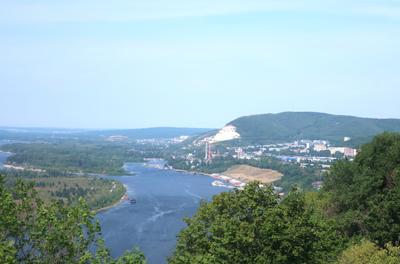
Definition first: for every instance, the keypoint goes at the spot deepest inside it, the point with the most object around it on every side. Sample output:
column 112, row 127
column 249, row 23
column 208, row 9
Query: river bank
column 220, row 179
column 116, row 203
column 61, row 187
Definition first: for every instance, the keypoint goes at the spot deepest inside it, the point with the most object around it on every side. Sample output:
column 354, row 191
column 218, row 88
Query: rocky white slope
column 226, row 133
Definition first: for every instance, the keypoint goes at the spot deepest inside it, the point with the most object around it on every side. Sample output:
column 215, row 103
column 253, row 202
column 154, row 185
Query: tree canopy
column 254, row 226
column 367, row 252
column 365, row 194
column 34, row 232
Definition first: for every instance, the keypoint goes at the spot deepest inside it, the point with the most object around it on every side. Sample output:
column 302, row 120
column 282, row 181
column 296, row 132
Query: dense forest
column 73, row 157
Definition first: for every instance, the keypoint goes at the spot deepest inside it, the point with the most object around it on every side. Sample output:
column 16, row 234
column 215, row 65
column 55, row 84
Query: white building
column 320, row 147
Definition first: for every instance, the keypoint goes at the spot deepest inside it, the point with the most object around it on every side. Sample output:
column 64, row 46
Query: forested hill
column 309, row 125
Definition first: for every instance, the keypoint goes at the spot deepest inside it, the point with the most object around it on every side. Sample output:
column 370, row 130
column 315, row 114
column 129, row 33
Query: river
column 164, row 198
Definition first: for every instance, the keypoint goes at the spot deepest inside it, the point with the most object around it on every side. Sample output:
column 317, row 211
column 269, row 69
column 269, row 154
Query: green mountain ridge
column 288, row 126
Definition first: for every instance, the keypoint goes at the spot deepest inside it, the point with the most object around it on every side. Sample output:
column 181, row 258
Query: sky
column 186, row 63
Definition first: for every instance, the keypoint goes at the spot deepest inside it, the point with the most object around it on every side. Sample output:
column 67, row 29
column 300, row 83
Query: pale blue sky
column 143, row 63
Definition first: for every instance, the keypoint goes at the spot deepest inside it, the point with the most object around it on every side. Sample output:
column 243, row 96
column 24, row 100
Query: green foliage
column 297, row 125
column 367, row 252
column 253, row 226
column 34, row 232
column 72, row 157
column 132, row 257
column 365, row 194
column 218, row 165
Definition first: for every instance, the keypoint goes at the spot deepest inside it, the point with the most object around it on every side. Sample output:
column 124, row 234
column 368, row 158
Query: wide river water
column 164, row 198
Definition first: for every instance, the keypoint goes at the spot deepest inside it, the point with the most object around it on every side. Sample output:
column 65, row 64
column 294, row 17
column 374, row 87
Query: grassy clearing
column 248, row 173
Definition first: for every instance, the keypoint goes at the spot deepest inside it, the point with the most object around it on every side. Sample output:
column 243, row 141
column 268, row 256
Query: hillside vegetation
column 288, row 126
column 364, row 195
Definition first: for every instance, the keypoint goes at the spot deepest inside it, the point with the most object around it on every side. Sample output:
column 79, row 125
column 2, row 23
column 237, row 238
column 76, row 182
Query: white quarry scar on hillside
column 226, row 133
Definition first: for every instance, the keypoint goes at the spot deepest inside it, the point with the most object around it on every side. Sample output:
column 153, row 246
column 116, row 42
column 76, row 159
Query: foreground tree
column 253, row 226
column 367, row 252
column 365, row 194
column 34, row 232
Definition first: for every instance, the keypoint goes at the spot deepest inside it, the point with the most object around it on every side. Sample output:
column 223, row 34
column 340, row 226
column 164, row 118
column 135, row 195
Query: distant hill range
column 139, row 133
column 151, row 133
column 289, row 126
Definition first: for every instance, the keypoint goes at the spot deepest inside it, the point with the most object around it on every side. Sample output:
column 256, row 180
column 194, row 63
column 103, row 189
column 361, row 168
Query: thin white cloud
column 50, row 11
column 124, row 10
column 387, row 11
